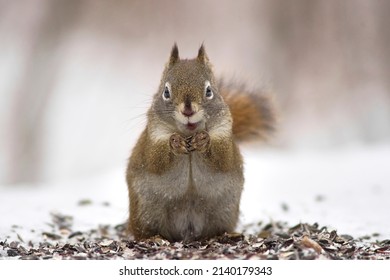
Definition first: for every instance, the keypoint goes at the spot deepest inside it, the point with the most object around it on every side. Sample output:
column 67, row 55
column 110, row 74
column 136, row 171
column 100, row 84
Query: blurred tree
column 330, row 66
column 328, row 61
column 35, row 87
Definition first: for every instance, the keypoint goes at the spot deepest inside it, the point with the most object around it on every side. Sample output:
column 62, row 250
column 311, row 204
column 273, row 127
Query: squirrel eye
column 166, row 93
column 209, row 93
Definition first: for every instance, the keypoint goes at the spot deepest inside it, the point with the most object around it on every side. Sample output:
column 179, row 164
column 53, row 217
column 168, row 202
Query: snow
column 27, row 207
column 345, row 189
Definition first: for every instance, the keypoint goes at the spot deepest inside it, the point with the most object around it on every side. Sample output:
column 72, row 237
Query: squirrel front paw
column 199, row 142
column 178, row 144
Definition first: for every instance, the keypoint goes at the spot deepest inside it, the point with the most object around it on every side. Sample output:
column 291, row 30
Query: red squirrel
column 185, row 174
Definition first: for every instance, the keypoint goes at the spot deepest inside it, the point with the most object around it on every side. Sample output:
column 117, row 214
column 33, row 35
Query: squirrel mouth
column 191, row 126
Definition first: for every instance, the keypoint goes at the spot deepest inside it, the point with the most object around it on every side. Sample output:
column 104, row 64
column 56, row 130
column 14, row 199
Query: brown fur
column 186, row 184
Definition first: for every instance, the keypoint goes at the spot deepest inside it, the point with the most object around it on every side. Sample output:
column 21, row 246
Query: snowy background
column 76, row 78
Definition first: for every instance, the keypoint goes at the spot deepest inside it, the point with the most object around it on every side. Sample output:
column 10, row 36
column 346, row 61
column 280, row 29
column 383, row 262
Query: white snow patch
column 346, row 189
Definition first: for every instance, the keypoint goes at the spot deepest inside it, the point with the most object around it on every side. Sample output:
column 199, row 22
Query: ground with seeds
column 271, row 241
column 342, row 189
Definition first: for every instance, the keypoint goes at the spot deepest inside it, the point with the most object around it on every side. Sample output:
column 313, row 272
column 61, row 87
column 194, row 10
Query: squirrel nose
column 188, row 112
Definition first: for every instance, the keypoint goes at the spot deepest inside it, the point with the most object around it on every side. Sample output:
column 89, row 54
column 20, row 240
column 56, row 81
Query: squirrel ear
column 202, row 56
column 174, row 55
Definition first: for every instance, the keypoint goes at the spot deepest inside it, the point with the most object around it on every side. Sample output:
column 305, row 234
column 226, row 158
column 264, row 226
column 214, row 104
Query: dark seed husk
column 12, row 252
column 276, row 240
column 52, row 236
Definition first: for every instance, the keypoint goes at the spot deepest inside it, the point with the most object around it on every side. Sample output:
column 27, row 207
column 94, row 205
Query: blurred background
column 77, row 76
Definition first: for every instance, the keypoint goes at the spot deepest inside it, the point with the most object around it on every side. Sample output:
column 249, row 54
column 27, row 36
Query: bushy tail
column 252, row 112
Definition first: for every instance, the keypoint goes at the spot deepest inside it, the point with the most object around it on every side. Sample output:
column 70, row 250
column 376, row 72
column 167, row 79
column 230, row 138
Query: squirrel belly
column 183, row 197
column 185, row 174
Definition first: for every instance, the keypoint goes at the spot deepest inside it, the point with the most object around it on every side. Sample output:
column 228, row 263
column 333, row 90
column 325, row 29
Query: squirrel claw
column 200, row 141
column 188, row 143
column 178, row 144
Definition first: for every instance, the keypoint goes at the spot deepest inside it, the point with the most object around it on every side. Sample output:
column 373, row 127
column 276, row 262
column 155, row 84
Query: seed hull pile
column 271, row 241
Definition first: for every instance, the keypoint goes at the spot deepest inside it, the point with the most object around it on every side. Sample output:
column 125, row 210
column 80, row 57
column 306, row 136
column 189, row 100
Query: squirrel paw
column 200, row 142
column 178, row 144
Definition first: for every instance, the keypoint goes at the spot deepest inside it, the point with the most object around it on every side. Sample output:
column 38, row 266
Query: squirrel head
column 188, row 97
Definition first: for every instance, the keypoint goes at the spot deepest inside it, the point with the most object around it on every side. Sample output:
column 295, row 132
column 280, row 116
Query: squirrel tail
column 252, row 112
